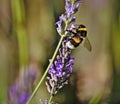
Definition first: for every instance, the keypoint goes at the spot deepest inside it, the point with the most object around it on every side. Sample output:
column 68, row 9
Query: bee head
column 82, row 31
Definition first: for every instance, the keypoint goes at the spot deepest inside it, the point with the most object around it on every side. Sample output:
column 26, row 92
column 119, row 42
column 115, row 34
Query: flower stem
column 50, row 99
column 19, row 29
column 45, row 73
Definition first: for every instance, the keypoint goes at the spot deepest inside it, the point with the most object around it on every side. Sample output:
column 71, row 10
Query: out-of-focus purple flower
column 60, row 70
column 20, row 91
column 71, row 7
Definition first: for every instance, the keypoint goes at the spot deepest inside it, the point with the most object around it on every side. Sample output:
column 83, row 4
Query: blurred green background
column 28, row 35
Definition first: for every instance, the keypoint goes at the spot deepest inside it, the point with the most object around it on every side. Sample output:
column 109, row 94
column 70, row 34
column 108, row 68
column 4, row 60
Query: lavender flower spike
column 71, row 7
column 60, row 70
column 20, row 91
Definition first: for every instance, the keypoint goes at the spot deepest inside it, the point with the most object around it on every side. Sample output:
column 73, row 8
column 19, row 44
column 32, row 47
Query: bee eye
column 83, row 33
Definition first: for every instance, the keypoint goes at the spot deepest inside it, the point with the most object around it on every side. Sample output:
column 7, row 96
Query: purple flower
column 20, row 91
column 60, row 23
column 60, row 70
column 71, row 8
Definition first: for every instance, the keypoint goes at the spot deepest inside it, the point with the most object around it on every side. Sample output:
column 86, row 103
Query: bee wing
column 87, row 44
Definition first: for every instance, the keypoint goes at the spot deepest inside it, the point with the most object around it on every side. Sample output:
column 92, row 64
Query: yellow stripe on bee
column 84, row 29
column 77, row 40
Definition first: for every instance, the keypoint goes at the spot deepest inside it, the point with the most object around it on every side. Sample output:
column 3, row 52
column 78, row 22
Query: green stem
column 50, row 99
column 44, row 75
column 19, row 28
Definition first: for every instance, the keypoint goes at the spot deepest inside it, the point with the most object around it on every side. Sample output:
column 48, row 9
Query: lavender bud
column 71, row 7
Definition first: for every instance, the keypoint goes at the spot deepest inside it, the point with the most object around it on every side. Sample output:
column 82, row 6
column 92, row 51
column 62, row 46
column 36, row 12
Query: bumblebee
column 77, row 36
